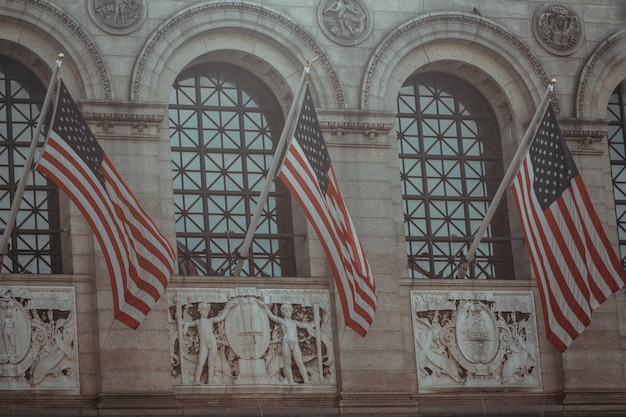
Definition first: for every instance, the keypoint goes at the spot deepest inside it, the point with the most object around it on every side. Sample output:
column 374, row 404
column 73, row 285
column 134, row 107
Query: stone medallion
column 557, row 28
column 118, row 17
column 347, row 22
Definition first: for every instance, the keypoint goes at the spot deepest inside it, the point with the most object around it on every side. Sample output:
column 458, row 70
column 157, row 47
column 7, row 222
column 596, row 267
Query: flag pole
column 282, row 143
column 506, row 180
column 28, row 164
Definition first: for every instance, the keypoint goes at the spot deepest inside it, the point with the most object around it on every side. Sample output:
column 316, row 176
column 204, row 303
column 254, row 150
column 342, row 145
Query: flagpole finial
column 309, row 61
column 551, row 85
column 60, row 57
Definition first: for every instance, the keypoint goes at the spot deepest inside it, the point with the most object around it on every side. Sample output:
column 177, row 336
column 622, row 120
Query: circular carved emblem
column 347, row 22
column 119, row 17
column 557, row 28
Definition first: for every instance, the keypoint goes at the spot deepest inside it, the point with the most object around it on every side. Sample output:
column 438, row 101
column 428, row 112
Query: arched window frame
column 35, row 242
column 616, row 115
column 246, row 108
column 450, row 148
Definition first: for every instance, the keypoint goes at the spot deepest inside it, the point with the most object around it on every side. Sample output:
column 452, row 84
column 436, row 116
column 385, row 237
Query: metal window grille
column 35, row 244
column 616, row 114
column 224, row 125
column 450, row 168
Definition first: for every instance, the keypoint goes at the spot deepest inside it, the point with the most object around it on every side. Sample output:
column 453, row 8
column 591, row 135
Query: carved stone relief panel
column 250, row 337
column 119, row 17
column 38, row 343
column 558, row 29
column 347, row 22
column 477, row 339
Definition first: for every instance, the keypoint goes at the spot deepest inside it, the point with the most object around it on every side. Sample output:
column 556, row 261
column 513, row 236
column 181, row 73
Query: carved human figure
column 340, row 8
column 207, row 340
column 562, row 30
column 10, row 334
column 291, row 349
column 120, row 7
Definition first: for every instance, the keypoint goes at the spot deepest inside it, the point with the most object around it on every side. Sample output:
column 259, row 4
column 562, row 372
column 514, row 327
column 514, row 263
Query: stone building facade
column 141, row 71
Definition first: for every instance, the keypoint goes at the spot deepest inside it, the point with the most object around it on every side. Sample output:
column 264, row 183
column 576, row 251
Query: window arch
column 450, row 166
column 224, row 126
column 35, row 243
column 616, row 114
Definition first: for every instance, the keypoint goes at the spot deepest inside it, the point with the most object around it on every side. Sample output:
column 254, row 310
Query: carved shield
column 476, row 333
column 248, row 329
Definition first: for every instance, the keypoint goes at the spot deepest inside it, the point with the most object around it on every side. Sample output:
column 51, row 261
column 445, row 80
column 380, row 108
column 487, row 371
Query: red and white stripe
column 334, row 227
column 574, row 263
column 139, row 259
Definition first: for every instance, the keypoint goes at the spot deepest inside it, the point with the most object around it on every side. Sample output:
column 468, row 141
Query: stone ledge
column 377, row 403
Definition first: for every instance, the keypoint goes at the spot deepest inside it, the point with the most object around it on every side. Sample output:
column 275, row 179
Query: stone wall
column 120, row 68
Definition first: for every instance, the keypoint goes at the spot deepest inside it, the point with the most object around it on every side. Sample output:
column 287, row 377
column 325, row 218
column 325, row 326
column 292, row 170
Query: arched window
column 224, row 125
column 450, row 167
column 616, row 114
column 35, row 244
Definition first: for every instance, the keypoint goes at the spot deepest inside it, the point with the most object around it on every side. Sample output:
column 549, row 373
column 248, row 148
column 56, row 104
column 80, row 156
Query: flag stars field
column 572, row 259
column 309, row 174
column 140, row 260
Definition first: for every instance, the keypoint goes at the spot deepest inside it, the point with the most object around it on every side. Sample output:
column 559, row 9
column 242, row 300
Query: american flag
column 139, row 258
column 309, row 174
column 574, row 263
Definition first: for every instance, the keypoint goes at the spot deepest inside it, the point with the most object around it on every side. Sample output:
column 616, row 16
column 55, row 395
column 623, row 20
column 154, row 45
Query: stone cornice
column 367, row 134
column 125, row 112
column 357, row 128
column 123, row 118
column 585, row 136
